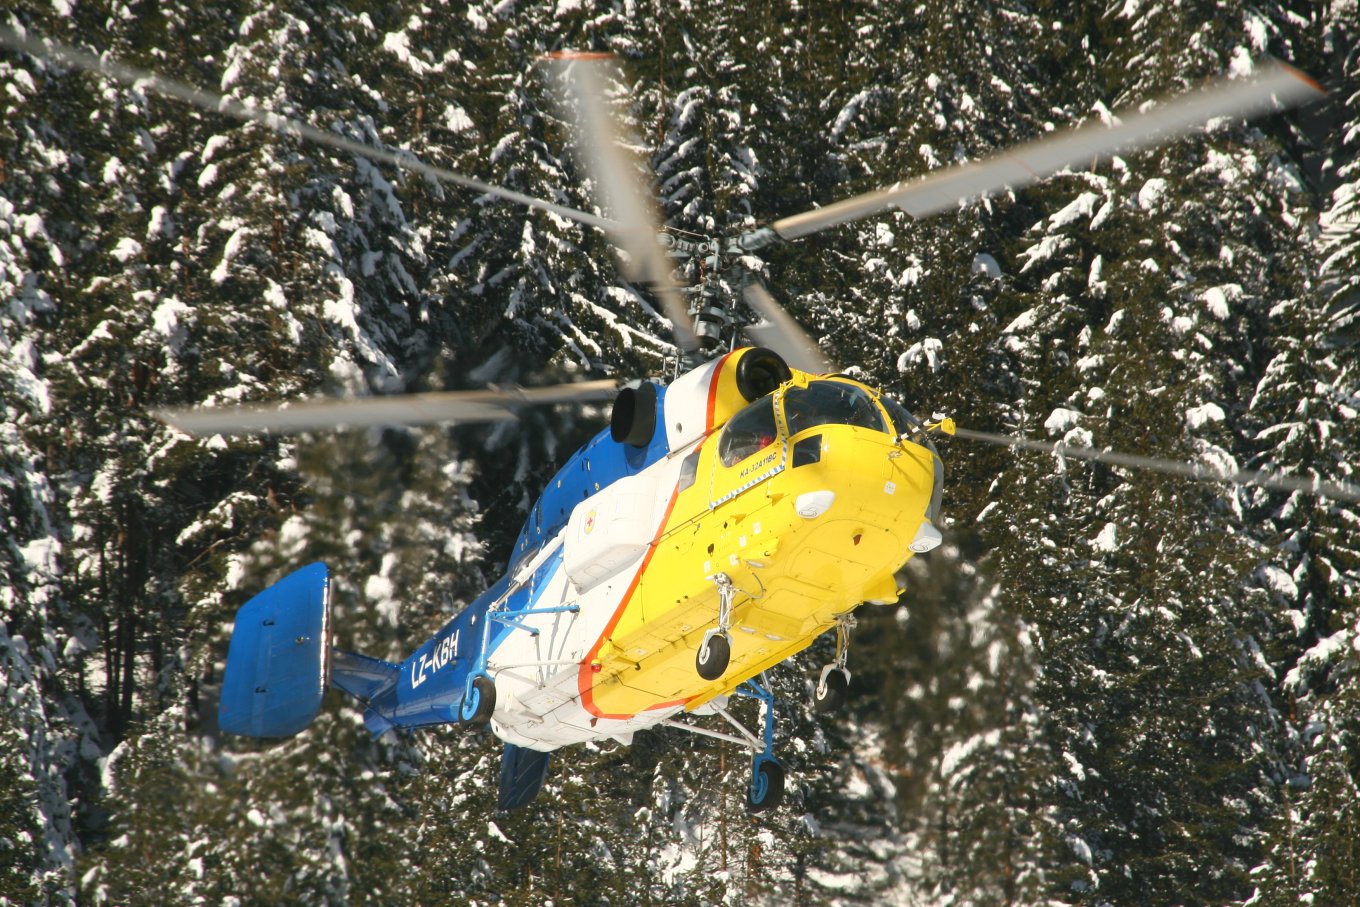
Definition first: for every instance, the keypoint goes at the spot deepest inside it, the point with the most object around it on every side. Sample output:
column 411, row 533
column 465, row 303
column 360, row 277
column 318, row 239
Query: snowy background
column 1105, row 688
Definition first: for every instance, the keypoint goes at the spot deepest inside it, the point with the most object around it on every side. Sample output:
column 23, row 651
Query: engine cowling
column 708, row 396
column 633, row 419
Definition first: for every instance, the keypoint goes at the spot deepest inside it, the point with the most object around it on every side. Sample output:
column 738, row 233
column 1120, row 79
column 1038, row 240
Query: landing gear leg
column 833, row 685
column 766, row 789
column 767, row 775
column 479, row 691
column 716, row 651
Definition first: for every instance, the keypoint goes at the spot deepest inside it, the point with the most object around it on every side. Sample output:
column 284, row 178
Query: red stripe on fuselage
column 713, row 383
column 585, row 677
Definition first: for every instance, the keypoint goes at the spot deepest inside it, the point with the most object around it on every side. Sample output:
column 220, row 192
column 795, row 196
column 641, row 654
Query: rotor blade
column 781, row 333
column 211, row 102
column 1342, row 491
column 399, row 409
column 1273, row 86
column 636, row 223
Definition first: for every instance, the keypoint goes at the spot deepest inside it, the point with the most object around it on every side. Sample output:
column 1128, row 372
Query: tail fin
column 522, row 774
column 277, row 666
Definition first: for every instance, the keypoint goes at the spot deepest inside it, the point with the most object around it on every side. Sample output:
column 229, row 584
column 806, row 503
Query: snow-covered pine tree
column 1096, row 261
column 1303, row 407
column 45, row 728
column 277, row 229
column 188, row 259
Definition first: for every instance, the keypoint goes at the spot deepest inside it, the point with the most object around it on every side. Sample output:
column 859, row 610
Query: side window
column 748, row 432
column 688, row 470
column 903, row 422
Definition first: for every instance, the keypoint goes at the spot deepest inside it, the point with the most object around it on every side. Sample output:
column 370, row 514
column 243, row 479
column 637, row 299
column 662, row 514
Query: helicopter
column 722, row 522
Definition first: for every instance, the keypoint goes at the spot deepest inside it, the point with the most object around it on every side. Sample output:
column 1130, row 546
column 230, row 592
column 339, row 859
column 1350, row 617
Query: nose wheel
column 713, row 656
column 833, row 686
column 716, row 651
column 833, row 690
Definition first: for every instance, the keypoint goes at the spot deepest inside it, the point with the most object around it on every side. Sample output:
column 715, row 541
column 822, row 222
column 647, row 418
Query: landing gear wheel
column 479, row 702
column 832, row 692
column 767, row 786
column 713, row 656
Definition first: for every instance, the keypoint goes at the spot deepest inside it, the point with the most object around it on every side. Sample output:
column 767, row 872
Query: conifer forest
column 1107, row 687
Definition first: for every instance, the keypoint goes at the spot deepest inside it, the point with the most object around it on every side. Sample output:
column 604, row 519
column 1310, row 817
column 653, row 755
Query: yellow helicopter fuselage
column 768, row 516
column 862, row 503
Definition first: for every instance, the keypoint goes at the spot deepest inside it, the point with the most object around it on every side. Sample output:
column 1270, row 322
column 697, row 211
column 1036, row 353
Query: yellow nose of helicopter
column 804, row 506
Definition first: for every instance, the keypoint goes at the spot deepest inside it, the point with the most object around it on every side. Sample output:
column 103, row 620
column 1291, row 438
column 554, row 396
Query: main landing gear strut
column 766, row 788
column 767, row 775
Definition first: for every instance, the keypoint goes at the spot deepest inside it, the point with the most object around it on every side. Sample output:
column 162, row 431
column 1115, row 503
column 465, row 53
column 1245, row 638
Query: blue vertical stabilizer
column 522, row 774
column 278, row 663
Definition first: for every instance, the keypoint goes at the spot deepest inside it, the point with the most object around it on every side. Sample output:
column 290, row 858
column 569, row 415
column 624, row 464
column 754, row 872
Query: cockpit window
column 904, row 423
column 748, row 432
column 831, row 402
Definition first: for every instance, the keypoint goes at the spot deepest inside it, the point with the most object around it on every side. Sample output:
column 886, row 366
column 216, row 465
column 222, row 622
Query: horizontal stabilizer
column 277, row 666
column 522, row 774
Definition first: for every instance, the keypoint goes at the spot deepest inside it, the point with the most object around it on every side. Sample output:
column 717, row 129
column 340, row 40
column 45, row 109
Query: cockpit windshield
column 831, row 402
column 820, row 403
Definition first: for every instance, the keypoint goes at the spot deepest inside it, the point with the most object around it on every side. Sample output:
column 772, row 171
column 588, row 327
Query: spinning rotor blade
column 400, row 409
column 636, row 225
column 49, row 51
column 779, row 332
column 1274, row 86
column 1342, row 491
